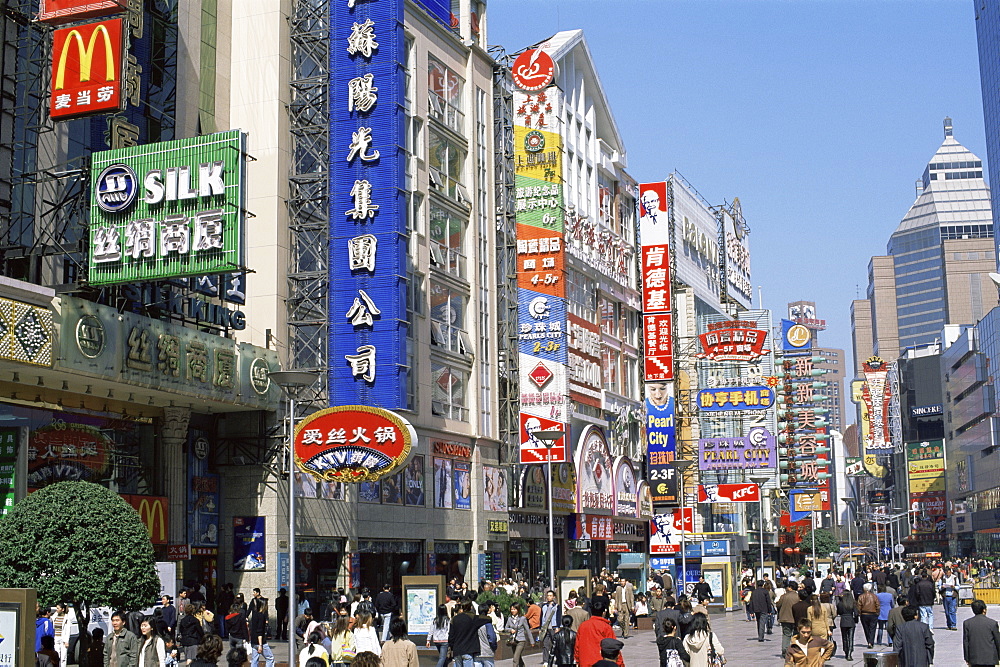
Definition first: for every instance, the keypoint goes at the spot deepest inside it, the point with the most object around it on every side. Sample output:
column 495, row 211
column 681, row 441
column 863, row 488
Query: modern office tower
column 988, row 36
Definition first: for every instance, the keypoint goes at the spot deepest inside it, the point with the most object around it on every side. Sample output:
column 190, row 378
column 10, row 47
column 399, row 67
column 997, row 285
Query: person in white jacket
column 700, row 640
column 61, row 623
column 365, row 637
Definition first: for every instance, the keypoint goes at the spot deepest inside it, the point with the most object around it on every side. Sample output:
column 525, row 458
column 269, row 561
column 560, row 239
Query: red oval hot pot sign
column 352, row 443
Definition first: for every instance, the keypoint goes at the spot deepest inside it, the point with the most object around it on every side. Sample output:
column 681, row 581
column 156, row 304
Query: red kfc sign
column 728, row 493
column 86, row 70
column 658, row 336
column 534, row 449
column 655, row 279
column 64, row 11
column 665, row 530
column 590, row 527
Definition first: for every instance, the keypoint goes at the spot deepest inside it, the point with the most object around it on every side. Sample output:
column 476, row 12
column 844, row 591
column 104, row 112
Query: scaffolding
column 506, row 255
column 309, row 187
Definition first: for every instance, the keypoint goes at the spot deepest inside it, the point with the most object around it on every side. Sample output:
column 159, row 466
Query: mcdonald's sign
column 64, row 11
column 154, row 512
column 87, row 70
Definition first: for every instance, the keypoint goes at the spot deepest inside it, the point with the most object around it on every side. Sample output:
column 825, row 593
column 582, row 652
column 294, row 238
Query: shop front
column 593, row 522
column 382, row 561
column 529, row 545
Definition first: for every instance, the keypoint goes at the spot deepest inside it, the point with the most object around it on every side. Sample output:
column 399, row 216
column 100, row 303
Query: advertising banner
column 737, row 255
column 925, row 463
column 595, row 488
column 584, row 358
column 168, row 210
column 854, row 467
column 735, row 398
column 590, row 527
column 494, row 489
column 442, row 484
column 249, row 544
column 732, row 341
column 729, row 493
column 795, row 337
column 877, row 395
column 664, row 484
column 757, row 449
column 9, row 447
column 656, row 296
column 543, row 388
column 658, row 361
column 541, row 326
column 154, row 512
column 534, row 450
column 368, row 205
column 563, row 487
column 463, row 485
column 665, row 529
column 654, row 221
column 626, row 496
column 87, row 68
column 661, row 442
column 533, row 487
column 413, row 478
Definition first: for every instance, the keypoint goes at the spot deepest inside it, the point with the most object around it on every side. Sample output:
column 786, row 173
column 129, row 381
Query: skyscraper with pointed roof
column 935, row 269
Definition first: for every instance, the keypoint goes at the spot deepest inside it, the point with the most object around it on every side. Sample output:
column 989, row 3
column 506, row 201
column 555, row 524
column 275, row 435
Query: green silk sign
column 168, row 210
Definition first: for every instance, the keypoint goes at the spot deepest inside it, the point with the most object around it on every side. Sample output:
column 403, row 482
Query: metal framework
column 309, row 187
column 506, row 255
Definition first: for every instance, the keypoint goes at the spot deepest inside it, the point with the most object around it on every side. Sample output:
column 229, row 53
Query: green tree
column 78, row 542
column 826, row 543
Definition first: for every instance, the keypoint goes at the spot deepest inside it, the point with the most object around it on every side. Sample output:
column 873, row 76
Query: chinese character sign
column 367, row 252
column 877, row 395
column 732, row 344
column 87, row 70
column 735, row 398
column 9, row 446
column 757, row 449
column 925, row 468
column 352, row 443
column 655, row 274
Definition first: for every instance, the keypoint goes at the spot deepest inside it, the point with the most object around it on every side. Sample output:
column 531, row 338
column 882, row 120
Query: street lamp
column 849, row 501
column 549, row 439
column 681, row 466
column 291, row 382
column 760, row 481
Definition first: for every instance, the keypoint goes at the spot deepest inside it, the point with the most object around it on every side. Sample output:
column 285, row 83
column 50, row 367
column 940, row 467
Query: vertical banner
column 925, row 472
column 249, row 544
column 657, row 304
column 661, row 442
column 463, row 485
column 9, row 447
column 368, row 227
column 877, row 395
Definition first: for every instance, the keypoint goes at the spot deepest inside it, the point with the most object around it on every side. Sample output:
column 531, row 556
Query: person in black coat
column 668, row 611
column 847, row 617
column 668, row 643
column 190, row 632
column 563, row 644
column 980, row 637
column 760, row 607
column 463, row 635
column 914, row 641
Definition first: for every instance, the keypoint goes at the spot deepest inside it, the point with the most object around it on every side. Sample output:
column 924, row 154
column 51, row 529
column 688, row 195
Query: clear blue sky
column 818, row 115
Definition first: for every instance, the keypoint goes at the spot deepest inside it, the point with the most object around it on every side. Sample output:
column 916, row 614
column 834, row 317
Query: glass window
column 448, row 240
column 446, row 162
column 448, row 311
column 444, row 95
column 611, row 372
column 449, row 388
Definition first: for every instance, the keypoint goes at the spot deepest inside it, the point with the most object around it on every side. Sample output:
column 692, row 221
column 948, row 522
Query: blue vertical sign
column 367, row 253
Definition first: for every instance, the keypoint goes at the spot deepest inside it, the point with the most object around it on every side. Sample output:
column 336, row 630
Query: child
column 171, row 653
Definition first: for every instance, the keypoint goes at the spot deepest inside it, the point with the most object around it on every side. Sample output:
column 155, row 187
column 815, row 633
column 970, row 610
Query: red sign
column 733, row 344
column 154, row 512
column 540, row 375
column 178, row 552
column 728, row 493
column 352, row 443
column 656, row 279
column 64, row 11
column 86, row 69
column 591, row 527
column 665, row 529
column 534, row 450
column 659, row 353
column 533, row 70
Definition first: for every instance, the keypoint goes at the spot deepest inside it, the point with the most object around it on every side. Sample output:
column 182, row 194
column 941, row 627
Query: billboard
column 737, row 255
column 533, row 450
column 732, row 341
column 696, row 250
column 925, row 473
column 168, row 210
column 747, row 492
column 661, row 442
column 87, row 69
column 9, row 448
column 665, row 530
column 595, row 487
column 542, row 326
column 735, row 398
column 154, row 512
column 368, row 206
column 795, row 337
column 877, row 395
column 249, row 544
column 654, row 219
column 658, row 362
column 655, row 274
column 626, row 489
column 757, row 449
column 55, row 12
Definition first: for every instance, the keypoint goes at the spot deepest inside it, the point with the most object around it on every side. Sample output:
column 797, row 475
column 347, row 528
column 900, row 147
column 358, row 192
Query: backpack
column 672, row 659
column 367, row 607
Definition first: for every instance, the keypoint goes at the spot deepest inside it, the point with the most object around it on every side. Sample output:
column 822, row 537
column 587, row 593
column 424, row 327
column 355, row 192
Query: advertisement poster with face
column 442, row 483
column 595, row 488
column 654, row 221
column 463, row 485
column 392, row 489
column 533, row 479
column 370, row 492
column 563, row 487
column 494, row 489
column 413, row 476
column 626, row 497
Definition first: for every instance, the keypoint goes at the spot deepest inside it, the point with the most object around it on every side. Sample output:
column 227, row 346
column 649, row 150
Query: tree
column 78, row 542
column 826, row 543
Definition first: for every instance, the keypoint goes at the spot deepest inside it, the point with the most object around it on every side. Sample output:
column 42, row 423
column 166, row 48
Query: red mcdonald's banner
column 154, row 512
column 86, row 70
column 65, row 11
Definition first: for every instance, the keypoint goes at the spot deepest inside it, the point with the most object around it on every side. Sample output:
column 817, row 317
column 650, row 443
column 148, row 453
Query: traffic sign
column 899, row 548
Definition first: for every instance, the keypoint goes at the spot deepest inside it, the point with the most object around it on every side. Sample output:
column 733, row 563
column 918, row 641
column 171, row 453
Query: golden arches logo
column 151, row 514
column 86, row 54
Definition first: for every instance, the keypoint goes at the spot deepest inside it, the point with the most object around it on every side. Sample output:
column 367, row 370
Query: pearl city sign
column 168, row 210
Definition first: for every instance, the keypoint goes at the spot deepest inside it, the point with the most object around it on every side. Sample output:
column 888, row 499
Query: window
column 611, row 372
column 448, row 240
column 448, row 311
column 448, row 395
column 415, row 298
column 446, row 162
column 444, row 95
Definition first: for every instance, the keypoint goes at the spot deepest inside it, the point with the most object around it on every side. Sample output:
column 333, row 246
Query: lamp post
column 681, row 466
column 849, row 501
column 291, row 382
column 549, row 438
column 760, row 481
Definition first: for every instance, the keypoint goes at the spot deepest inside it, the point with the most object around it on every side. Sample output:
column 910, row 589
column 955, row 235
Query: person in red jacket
column 590, row 634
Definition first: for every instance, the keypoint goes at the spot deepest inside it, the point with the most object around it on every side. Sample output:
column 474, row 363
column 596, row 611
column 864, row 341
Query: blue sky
column 818, row 115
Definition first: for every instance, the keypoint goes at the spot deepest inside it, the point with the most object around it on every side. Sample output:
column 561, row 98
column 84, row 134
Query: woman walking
column 399, row 651
column 152, row 651
column 365, row 637
column 701, row 643
column 520, row 634
column 847, row 616
column 438, row 636
column 313, row 649
column 342, row 647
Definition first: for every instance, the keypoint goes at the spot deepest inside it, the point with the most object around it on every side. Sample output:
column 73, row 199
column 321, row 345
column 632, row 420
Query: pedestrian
column 463, row 635
column 487, row 635
column 519, row 634
column 47, row 656
column 438, row 636
column 95, row 653
column 684, row 617
column 60, row 630
column 819, row 615
column 190, row 632
column 257, row 627
column 313, row 649
column 563, row 644
column 399, row 651
column 341, row 647
column 209, row 652
column 43, row 628
column 702, row 644
column 847, row 616
column 236, row 627
column 591, row 632
column 671, row 647
column 980, row 638
column 703, row 591
column 281, row 608
column 746, row 592
column 808, row 651
column 302, row 622
column 385, row 605
column 365, row 637
column 868, row 608
column 949, row 597
column 914, row 641
column 922, row 595
column 668, row 611
column 169, row 612
column 896, row 617
column 785, row 617
column 884, row 607
column 760, row 607
column 625, row 602
column 122, row 648
column 152, row 650
column 551, row 623
column 611, row 654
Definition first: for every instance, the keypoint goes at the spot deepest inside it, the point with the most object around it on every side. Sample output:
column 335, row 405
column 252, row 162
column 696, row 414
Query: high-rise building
column 935, row 269
column 988, row 37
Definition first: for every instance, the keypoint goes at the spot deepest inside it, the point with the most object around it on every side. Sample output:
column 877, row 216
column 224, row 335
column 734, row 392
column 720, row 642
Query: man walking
column 980, row 638
column 785, row 617
column 760, row 607
column 281, row 607
column 922, row 595
column 385, row 605
column 625, row 601
column 121, row 649
column 914, row 641
column 589, row 636
column 551, row 623
column 463, row 636
column 949, row 596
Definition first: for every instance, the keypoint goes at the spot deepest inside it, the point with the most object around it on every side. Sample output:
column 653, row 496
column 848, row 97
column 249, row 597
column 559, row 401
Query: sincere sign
column 168, row 210
column 352, row 443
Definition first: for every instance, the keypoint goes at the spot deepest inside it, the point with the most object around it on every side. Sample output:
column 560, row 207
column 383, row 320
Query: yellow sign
column 86, row 54
column 798, row 335
column 807, row 502
column 926, row 484
column 25, row 333
column 926, row 468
